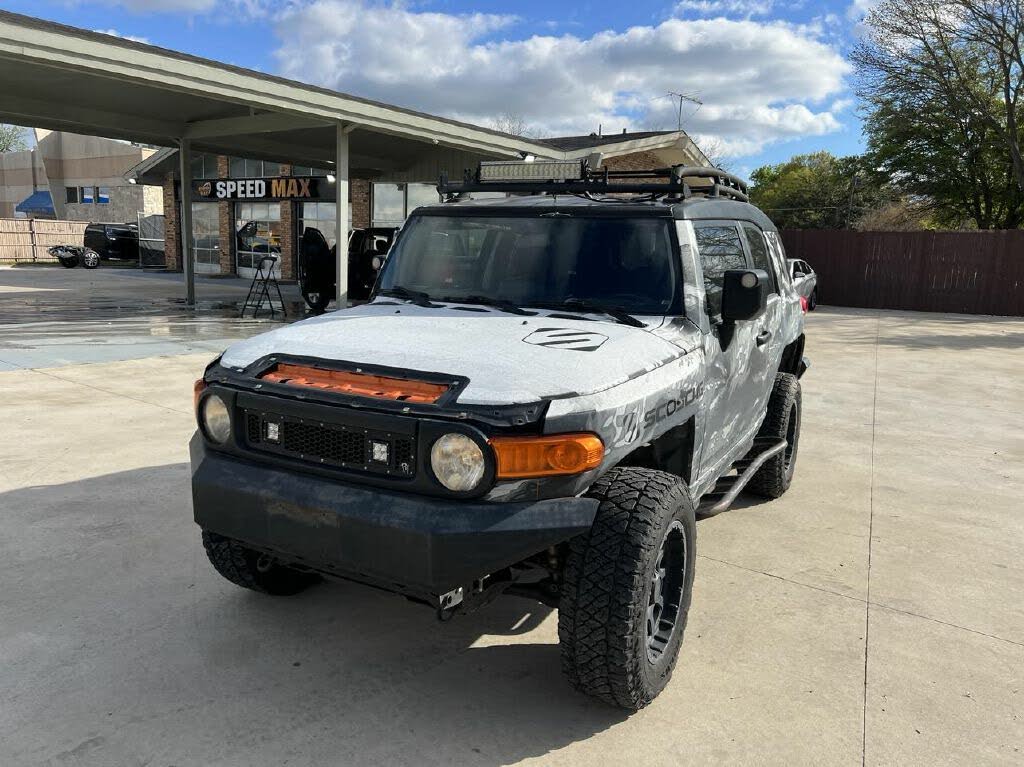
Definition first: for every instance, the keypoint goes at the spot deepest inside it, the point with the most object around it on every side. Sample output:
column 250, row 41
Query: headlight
column 215, row 419
column 376, row 262
column 458, row 462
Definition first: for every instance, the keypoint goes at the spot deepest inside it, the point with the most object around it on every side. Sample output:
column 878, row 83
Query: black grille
column 331, row 444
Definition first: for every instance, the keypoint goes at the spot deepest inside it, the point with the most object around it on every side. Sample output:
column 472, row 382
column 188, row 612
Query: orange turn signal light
column 197, row 389
column 547, row 456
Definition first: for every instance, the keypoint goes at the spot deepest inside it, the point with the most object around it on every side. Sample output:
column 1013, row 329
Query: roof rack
column 561, row 177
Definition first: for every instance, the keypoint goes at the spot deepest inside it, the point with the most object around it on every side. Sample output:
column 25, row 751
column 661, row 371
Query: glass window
column 204, row 166
column 85, row 195
column 103, row 195
column 759, row 253
column 388, row 204
column 720, row 250
column 620, row 262
column 70, row 194
column 258, row 232
column 305, row 170
column 420, row 194
column 206, row 233
column 236, row 167
column 319, row 215
column 270, row 169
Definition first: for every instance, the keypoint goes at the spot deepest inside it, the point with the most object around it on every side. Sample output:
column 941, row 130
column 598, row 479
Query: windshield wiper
column 617, row 313
column 417, row 297
column 497, row 303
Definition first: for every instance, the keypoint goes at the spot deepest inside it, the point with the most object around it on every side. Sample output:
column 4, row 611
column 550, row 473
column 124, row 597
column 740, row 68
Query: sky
column 771, row 76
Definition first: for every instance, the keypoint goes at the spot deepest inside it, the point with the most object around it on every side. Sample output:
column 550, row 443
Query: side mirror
column 744, row 294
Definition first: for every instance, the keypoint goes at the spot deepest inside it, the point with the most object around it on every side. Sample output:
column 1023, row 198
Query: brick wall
column 288, row 236
column 359, row 193
column 225, row 231
column 172, row 228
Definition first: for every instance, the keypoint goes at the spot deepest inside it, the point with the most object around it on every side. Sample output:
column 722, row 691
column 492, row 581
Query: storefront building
column 245, row 209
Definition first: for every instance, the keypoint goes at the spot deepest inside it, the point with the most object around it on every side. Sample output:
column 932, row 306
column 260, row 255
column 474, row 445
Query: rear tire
column 627, row 586
column 782, row 421
column 252, row 570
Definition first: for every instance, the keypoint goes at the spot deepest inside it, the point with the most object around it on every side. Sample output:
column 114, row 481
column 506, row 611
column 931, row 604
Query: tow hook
column 448, row 603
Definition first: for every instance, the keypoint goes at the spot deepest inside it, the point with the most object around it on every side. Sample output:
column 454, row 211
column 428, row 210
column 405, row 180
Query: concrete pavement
column 873, row 615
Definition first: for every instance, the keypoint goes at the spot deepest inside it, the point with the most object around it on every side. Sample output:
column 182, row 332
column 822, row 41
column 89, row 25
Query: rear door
column 732, row 400
column 96, row 238
column 768, row 339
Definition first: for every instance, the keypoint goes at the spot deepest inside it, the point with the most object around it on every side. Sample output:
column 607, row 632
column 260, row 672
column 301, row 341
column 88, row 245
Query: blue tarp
column 37, row 203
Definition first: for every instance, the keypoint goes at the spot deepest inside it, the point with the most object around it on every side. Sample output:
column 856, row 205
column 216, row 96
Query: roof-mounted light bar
column 530, row 170
column 575, row 177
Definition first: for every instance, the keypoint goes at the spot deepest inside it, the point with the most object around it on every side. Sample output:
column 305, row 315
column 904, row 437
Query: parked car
column 367, row 249
column 118, row 241
column 540, row 396
column 805, row 281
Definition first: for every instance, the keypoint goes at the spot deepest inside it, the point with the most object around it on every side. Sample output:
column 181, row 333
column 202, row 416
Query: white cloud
column 743, row 8
column 115, row 33
column 760, row 81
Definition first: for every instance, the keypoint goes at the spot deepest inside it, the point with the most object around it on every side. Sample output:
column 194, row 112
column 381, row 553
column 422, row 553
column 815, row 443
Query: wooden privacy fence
column 25, row 240
column 962, row 272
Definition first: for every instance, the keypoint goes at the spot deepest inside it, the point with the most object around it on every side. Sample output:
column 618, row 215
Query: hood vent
column 356, row 383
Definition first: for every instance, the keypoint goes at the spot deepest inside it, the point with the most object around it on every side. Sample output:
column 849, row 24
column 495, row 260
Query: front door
column 735, row 396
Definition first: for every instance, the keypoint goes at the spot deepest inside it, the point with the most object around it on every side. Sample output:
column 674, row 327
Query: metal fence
column 25, row 240
column 961, row 272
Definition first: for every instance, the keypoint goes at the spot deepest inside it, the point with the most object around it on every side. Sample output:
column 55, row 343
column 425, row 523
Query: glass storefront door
column 206, row 237
column 258, row 233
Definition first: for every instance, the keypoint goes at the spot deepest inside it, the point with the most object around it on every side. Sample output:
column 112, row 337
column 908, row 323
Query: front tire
column 252, row 570
column 627, row 586
column 812, row 302
column 782, row 421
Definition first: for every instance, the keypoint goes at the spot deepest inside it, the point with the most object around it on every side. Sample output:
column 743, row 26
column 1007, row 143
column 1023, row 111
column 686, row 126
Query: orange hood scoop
column 356, row 383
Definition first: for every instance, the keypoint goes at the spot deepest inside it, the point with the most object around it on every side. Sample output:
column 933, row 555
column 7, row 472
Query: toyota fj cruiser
column 540, row 395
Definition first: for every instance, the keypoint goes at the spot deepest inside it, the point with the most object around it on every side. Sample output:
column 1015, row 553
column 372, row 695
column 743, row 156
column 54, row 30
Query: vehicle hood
column 508, row 359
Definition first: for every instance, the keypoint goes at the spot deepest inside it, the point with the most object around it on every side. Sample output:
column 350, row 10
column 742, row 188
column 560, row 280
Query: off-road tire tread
column 771, row 480
column 604, row 578
column 237, row 564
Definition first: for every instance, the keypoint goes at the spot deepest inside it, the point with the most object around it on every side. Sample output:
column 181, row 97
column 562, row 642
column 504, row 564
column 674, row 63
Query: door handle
column 763, row 336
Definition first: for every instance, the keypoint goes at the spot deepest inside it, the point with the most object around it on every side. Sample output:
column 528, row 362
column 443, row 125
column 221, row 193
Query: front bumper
column 402, row 542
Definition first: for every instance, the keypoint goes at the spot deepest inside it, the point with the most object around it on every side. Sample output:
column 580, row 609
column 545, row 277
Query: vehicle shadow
column 139, row 649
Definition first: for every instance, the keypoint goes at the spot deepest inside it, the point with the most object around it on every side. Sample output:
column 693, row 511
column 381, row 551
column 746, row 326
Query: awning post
column 342, row 220
column 185, row 158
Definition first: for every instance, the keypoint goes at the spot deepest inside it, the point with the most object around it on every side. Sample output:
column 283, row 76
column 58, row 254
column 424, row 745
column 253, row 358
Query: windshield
column 625, row 263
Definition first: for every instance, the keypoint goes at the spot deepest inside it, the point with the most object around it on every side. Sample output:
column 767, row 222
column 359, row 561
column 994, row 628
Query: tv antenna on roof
column 691, row 97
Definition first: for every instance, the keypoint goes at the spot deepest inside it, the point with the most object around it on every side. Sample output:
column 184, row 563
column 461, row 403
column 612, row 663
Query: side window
column 759, row 253
column 720, row 250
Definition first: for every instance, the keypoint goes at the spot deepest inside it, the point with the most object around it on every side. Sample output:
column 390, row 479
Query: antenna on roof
column 691, row 97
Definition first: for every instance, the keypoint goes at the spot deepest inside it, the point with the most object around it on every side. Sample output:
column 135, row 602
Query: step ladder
column 260, row 290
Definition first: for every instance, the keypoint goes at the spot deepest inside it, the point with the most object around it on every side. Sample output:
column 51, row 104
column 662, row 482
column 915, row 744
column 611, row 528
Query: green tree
column 946, row 158
column 12, row 138
column 818, row 191
column 943, row 81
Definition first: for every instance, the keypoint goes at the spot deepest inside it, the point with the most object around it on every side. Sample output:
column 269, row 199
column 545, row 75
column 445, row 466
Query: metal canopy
column 63, row 78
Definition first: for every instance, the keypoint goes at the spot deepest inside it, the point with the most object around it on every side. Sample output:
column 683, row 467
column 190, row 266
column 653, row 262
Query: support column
column 187, row 254
column 341, row 197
